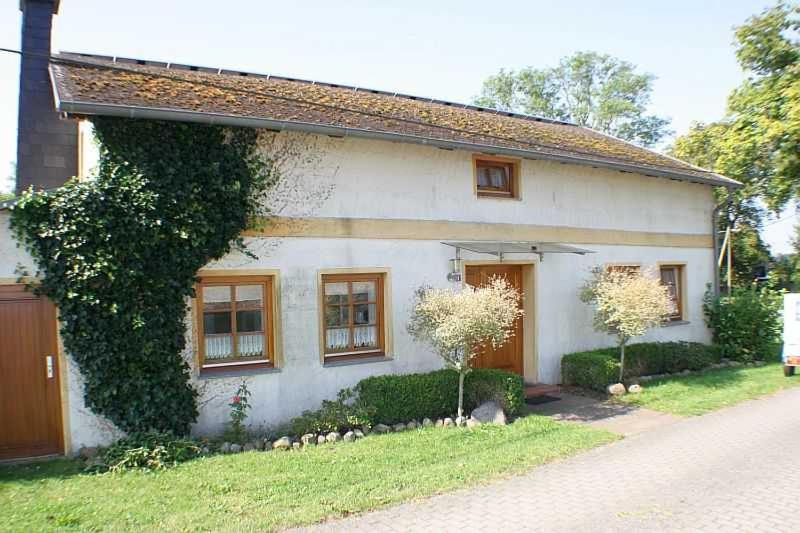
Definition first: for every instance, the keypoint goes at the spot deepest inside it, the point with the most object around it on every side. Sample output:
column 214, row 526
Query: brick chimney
column 47, row 145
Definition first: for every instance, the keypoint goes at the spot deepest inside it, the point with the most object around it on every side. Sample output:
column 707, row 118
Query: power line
column 787, row 217
column 536, row 145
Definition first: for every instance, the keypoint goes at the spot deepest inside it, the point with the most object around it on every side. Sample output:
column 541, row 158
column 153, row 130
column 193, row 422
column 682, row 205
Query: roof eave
column 153, row 113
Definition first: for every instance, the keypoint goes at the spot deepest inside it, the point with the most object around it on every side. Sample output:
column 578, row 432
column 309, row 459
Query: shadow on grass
column 41, row 470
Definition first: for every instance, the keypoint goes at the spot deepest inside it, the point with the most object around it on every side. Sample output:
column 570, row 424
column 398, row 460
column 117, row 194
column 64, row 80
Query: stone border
column 486, row 413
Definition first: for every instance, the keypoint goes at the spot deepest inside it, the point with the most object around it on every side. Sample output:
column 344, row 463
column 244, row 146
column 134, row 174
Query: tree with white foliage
column 627, row 303
column 457, row 323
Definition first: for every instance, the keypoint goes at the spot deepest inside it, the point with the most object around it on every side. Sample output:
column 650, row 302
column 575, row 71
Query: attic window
column 496, row 178
column 631, row 268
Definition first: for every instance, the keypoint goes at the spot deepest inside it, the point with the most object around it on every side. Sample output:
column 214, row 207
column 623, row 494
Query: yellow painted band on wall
column 381, row 228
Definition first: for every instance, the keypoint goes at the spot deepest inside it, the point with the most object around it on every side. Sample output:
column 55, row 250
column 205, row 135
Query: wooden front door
column 30, row 401
column 509, row 356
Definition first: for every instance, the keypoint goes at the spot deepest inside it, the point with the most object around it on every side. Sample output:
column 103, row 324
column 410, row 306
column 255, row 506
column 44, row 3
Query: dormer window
column 496, row 178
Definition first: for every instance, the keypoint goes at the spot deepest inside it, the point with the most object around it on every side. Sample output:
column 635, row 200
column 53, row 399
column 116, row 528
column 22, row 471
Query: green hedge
column 596, row 369
column 747, row 324
column 400, row 398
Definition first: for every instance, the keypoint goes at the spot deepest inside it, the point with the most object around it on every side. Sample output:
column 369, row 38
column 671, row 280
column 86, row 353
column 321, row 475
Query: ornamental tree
column 627, row 303
column 457, row 323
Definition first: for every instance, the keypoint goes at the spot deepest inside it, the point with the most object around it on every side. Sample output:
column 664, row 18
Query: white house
column 402, row 191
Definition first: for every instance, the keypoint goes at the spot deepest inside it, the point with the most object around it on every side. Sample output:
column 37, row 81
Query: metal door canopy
column 500, row 248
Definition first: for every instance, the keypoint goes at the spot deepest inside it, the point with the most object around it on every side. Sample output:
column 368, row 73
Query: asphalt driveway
column 737, row 469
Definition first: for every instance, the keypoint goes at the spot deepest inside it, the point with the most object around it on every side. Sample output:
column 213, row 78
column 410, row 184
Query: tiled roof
column 87, row 84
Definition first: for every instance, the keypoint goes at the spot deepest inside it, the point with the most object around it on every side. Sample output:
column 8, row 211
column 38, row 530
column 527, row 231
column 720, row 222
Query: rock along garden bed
column 487, row 413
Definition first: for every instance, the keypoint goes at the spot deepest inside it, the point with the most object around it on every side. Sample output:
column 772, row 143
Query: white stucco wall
column 10, row 254
column 563, row 323
column 377, row 179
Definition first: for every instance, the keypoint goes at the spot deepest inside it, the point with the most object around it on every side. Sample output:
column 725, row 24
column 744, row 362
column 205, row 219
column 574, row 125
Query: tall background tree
column 587, row 88
column 758, row 140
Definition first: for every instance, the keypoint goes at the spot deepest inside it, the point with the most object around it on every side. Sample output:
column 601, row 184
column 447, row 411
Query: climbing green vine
column 118, row 255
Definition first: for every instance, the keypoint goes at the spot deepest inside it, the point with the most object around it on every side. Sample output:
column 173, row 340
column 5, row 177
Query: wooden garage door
column 30, row 405
column 509, row 356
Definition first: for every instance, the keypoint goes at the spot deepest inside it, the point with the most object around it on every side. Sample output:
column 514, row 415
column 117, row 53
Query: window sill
column 356, row 361
column 237, row 370
column 675, row 323
column 484, row 196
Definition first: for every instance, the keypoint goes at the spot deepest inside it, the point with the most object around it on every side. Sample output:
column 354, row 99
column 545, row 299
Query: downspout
column 715, row 239
column 730, row 242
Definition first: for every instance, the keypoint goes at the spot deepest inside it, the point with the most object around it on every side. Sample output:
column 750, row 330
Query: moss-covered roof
column 94, row 84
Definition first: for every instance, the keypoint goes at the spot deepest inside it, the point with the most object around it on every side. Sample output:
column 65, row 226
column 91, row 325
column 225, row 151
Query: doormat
column 537, row 400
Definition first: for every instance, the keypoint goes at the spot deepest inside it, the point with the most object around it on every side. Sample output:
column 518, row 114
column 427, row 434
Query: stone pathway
column 615, row 417
column 732, row 470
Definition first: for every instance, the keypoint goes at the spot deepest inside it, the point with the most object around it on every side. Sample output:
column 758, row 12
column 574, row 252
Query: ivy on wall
column 118, row 255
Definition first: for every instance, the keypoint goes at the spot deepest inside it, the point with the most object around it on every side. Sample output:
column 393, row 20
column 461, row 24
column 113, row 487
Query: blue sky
column 439, row 49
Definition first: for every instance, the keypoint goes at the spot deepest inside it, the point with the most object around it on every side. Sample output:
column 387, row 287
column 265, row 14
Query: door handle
column 50, row 371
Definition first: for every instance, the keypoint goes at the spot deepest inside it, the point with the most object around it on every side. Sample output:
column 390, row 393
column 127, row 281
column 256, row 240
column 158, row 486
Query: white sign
column 791, row 326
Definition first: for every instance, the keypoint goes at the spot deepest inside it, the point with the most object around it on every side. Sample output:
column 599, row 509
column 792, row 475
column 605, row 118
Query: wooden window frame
column 680, row 293
column 268, row 322
column 380, row 286
column 513, row 167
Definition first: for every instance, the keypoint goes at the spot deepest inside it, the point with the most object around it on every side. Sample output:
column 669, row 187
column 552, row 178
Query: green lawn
column 701, row 393
column 267, row 491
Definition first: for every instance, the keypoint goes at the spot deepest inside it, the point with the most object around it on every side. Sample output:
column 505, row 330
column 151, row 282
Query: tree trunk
column 622, row 359
column 461, row 375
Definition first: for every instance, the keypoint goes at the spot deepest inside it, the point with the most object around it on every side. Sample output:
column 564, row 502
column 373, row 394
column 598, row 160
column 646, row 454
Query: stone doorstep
column 541, row 389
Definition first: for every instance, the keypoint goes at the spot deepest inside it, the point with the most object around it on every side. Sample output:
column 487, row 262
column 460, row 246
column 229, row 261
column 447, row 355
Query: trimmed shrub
column 590, row 370
column 505, row 388
column 747, row 323
column 688, row 355
column 596, row 369
column 649, row 358
column 400, row 398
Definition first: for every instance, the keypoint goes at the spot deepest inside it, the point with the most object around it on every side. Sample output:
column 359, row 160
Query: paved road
column 734, row 470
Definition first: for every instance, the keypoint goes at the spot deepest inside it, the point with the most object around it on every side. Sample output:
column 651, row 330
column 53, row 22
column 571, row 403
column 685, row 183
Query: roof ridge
column 212, row 70
column 493, row 131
